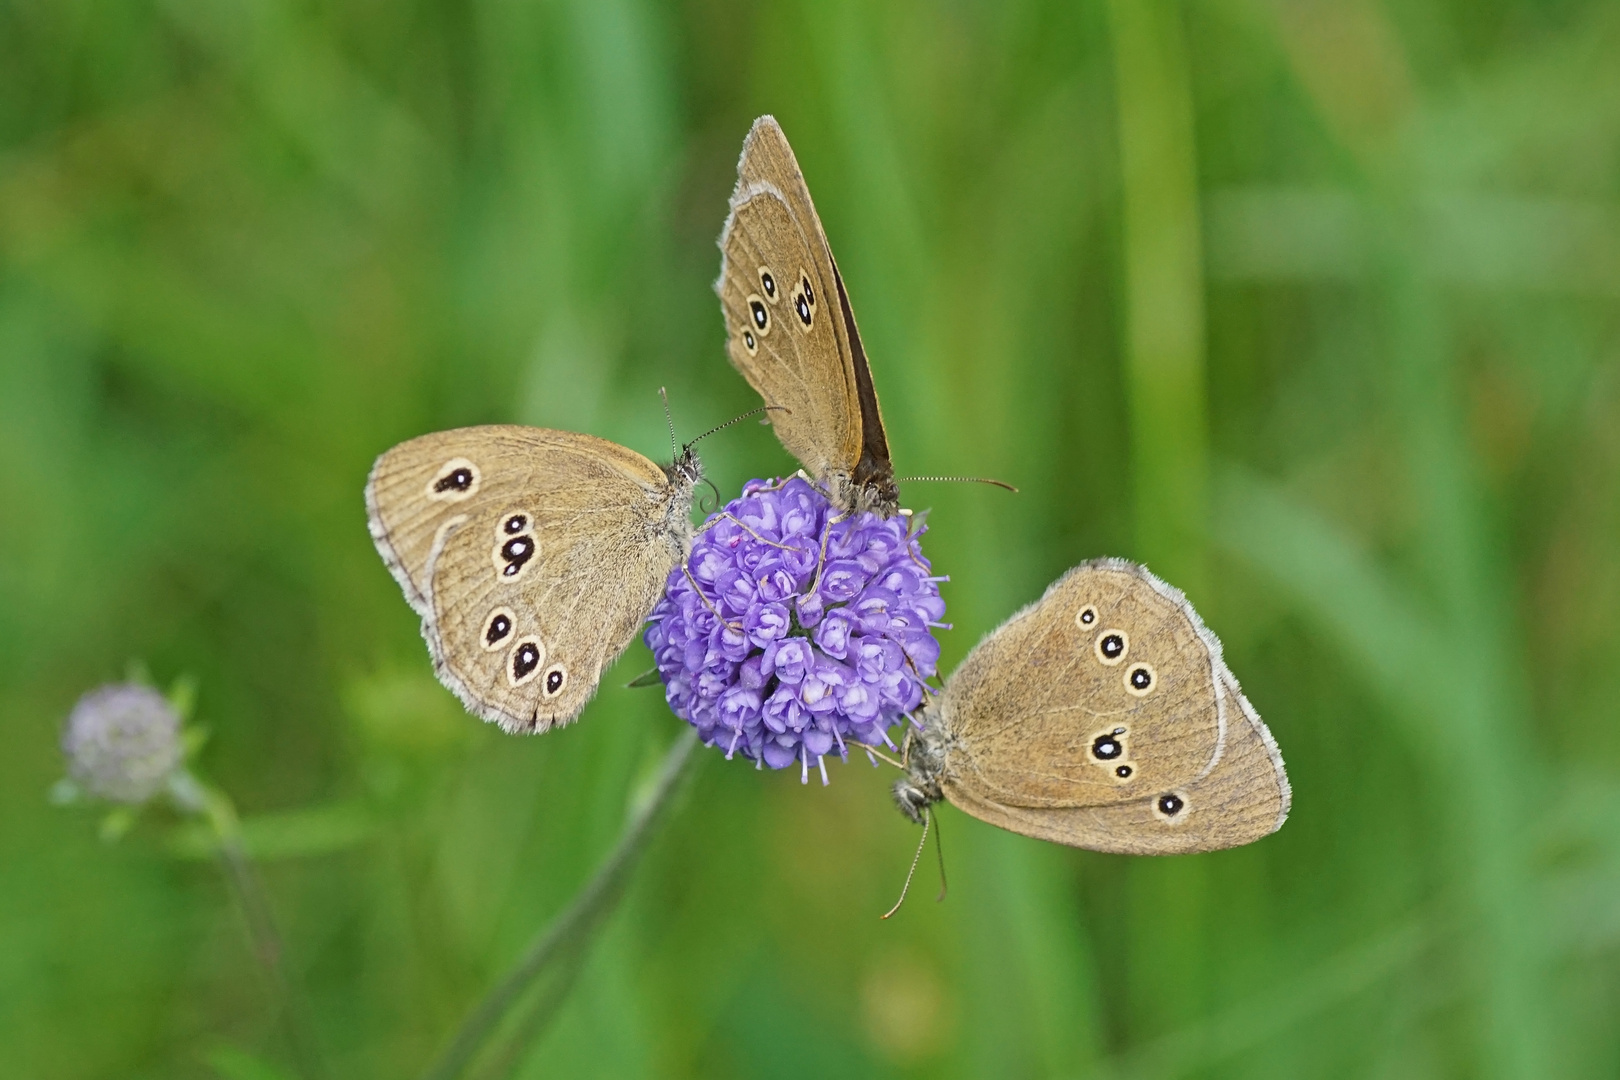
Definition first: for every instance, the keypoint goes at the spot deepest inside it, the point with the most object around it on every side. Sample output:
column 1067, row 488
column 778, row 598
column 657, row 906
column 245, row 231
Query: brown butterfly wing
column 1039, row 715
column 567, row 537
column 1243, row 798
column 791, row 362
column 790, row 329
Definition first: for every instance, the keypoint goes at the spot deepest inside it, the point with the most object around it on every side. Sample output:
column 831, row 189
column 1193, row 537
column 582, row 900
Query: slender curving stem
column 193, row 796
column 571, row 931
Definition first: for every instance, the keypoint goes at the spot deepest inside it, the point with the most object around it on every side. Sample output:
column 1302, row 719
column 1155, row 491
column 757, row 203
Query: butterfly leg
column 825, row 494
column 707, row 603
column 725, row 516
column 939, row 848
column 821, row 560
column 877, row 754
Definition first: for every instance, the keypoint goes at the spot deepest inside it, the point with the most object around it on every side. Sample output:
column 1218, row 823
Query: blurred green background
column 1314, row 306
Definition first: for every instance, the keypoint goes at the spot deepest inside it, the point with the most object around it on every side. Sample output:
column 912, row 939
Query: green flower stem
column 570, row 934
column 216, row 808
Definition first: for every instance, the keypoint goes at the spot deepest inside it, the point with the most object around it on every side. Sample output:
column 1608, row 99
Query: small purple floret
column 783, row 654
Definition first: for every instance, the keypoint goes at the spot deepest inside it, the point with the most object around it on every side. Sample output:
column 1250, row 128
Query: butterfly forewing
column 1102, row 690
column 531, row 555
column 791, row 364
column 777, row 263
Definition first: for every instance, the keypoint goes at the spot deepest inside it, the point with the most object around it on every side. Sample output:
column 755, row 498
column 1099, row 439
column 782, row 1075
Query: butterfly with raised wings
column 791, row 332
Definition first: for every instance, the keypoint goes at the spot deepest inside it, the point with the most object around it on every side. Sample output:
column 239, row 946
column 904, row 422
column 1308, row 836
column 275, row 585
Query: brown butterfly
column 533, row 557
column 1101, row 716
column 790, row 330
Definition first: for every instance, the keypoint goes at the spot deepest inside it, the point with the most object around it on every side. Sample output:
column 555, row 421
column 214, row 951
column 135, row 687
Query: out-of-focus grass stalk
column 1027, row 972
column 216, row 808
column 1487, row 766
column 1350, row 60
column 1242, row 1025
column 568, row 936
column 1163, row 376
column 1163, row 345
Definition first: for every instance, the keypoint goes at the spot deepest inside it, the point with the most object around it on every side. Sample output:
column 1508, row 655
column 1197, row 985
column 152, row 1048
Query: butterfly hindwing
column 1105, row 687
column 532, row 556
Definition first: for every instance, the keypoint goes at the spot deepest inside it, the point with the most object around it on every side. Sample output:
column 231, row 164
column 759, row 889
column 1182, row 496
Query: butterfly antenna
column 957, row 480
column 738, row 420
column 939, row 846
column 927, row 818
column 674, row 448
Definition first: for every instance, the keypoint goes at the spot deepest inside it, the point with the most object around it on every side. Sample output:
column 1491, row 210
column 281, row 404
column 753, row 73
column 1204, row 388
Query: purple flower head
column 789, row 633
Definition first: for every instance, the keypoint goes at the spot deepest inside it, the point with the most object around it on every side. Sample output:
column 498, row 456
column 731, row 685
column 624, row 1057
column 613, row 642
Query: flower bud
column 122, row 742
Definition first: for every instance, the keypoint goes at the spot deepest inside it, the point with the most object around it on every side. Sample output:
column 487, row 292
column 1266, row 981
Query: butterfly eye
column 767, row 282
column 1141, row 679
column 456, row 479
column 498, row 627
column 525, row 661
column 556, row 679
column 1086, row 617
column 760, row 316
column 1111, row 646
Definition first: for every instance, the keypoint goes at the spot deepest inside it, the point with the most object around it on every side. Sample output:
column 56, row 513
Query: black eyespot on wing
column 1141, row 679
column 1106, row 748
column 525, row 658
column 556, row 679
column 1123, row 771
column 1111, row 646
column 761, row 317
column 1170, row 804
column 750, row 341
column 516, row 553
column 515, row 524
column 809, row 293
column 801, row 305
column 1086, row 617
column 456, row 480
column 459, row 479
column 768, row 283
column 498, row 629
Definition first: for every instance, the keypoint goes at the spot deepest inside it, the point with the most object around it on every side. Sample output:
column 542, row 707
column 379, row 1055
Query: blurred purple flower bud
column 122, row 742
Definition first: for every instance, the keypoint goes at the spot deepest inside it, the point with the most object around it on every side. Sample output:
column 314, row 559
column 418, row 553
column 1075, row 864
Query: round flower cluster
column 789, row 632
column 122, row 742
